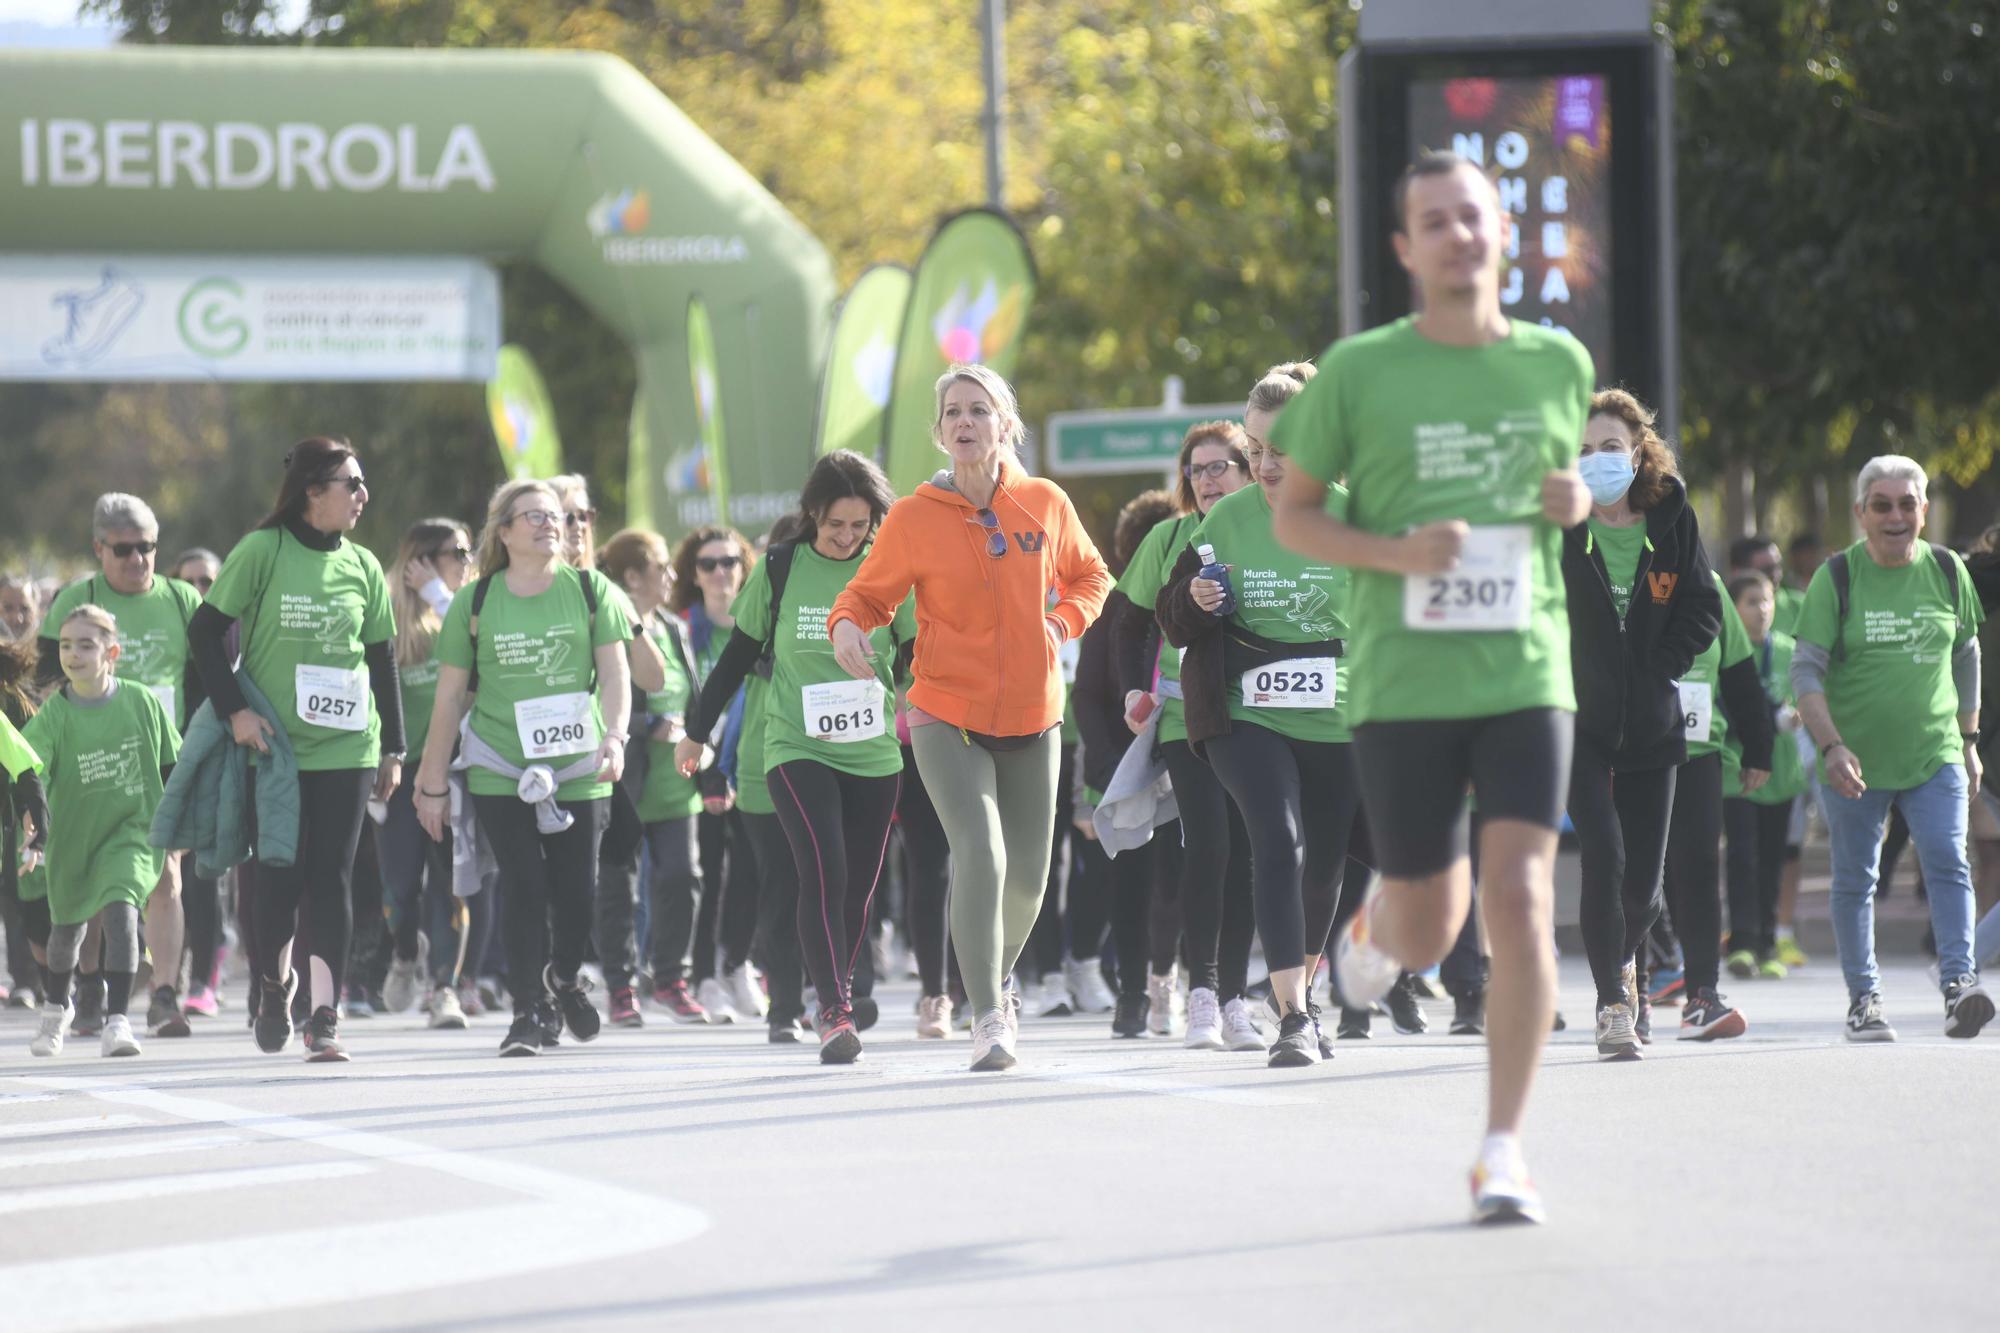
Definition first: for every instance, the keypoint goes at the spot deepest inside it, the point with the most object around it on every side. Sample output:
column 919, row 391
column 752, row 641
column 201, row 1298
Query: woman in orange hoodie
column 982, row 543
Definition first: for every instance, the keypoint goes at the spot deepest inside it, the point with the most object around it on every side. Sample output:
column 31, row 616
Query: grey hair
column 195, row 553
column 117, row 511
column 995, row 387
column 1890, row 467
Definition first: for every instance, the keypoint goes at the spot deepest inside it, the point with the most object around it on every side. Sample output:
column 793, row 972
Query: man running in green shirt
column 1456, row 434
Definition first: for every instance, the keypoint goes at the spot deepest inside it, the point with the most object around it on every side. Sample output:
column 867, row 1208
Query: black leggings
column 727, row 922
column 777, row 942
column 547, row 881
column 926, row 875
column 1694, row 868
column 1757, row 855
column 674, row 891
column 1129, row 880
column 1621, row 833
column 1220, row 918
column 201, row 900
column 332, row 804
column 1296, row 863
column 838, row 825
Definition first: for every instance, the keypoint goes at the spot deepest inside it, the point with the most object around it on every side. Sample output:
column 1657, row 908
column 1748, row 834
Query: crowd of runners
column 1433, row 600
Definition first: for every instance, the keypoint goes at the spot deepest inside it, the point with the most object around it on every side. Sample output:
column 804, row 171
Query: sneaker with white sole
column 1239, row 1027
column 1010, row 1009
column 934, row 1017
column 1967, row 1007
column 117, row 1038
column 1705, row 1017
column 1503, row 1192
column 713, row 997
column 746, row 992
column 1204, row 1022
column 48, row 1038
column 1052, row 997
column 1169, row 1007
column 1087, row 988
column 400, row 989
column 1617, row 1039
column 1362, row 972
column 992, row 1042
column 1297, row 1045
column 446, row 1012
column 1865, row 1021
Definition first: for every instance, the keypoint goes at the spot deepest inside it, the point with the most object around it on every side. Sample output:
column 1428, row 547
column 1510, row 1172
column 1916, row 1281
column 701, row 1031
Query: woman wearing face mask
column 1642, row 606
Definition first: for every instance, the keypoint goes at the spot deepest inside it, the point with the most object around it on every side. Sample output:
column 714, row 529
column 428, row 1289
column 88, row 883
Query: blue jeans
column 1986, row 940
column 1936, row 813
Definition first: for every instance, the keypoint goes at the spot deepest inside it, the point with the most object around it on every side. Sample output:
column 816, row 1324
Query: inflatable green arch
column 572, row 160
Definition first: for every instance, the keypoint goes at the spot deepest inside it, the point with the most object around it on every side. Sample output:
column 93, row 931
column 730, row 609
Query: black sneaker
column 89, row 1020
column 551, row 1020
column 323, row 1037
column 164, row 1017
column 1865, row 1021
column 1320, row 1039
column 1295, row 1047
column 1128, row 1019
column 865, row 1012
column 573, row 1000
column 1404, row 1010
column 1967, row 1007
column 524, row 1037
column 1468, row 1014
column 788, row 1032
column 273, row 1023
column 1354, row 1024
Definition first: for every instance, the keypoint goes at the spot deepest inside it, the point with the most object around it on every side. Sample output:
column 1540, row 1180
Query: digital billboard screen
column 1546, row 142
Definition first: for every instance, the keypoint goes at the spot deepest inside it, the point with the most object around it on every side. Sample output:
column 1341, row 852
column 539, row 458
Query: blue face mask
column 1609, row 476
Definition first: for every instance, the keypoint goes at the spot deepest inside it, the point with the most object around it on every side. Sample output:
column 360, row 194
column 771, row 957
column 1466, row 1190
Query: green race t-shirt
column 1281, row 595
column 753, row 789
column 1620, row 549
column 1152, row 564
column 306, row 616
column 1787, row 603
column 1701, row 687
column 1891, row 693
column 668, row 795
column 537, row 674
column 101, row 762
column 1421, row 432
column 1788, row 773
column 152, row 633
column 814, row 707
column 419, row 682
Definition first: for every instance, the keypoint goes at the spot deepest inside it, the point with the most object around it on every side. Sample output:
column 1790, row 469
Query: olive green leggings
column 998, row 812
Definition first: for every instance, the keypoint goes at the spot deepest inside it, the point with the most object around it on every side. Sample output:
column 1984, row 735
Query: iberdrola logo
column 619, row 213
column 970, row 328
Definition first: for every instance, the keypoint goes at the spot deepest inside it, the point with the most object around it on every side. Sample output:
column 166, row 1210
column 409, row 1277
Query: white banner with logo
column 172, row 317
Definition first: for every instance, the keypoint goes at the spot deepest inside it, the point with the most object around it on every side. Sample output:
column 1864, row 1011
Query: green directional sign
column 1135, row 440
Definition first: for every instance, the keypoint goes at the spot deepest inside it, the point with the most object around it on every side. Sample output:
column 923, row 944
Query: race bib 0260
column 1490, row 589
column 1296, row 682
column 844, row 712
column 331, row 697
column 556, row 724
column 1697, row 708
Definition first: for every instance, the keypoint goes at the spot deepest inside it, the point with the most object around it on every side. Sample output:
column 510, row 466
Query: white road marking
column 80, row 1124
column 19, row 1099
column 161, row 1187
column 1168, row 1087
column 113, row 1151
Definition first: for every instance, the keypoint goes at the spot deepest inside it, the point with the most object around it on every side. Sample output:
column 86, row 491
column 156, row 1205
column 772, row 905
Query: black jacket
column 1099, row 704
column 1626, row 702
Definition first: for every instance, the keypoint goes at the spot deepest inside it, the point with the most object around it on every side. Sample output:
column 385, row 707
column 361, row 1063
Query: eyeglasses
column 580, row 518
column 1209, row 471
column 537, row 518
column 126, row 550
column 996, row 540
column 708, row 564
column 455, row 552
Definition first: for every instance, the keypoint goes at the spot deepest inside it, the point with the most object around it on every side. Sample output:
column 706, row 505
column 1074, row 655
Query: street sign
column 1134, row 440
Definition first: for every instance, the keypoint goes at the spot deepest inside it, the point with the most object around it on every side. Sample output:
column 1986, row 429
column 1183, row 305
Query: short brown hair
column 1433, row 163
column 1226, row 433
column 1141, row 514
column 1653, row 466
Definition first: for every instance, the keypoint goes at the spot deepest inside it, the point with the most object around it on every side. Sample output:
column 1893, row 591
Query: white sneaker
column 714, row 998
column 1204, row 1025
column 117, row 1038
column 1169, row 1006
column 1503, row 1192
column 934, row 1017
column 1617, row 1039
column 1052, row 997
column 1086, row 986
column 1010, row 1009
column 746, row 994
column 1239, row 1028
column 446, row 1011
column 992, row 1042
column 49, row 1036
column 402, row 987
column 1362, row 972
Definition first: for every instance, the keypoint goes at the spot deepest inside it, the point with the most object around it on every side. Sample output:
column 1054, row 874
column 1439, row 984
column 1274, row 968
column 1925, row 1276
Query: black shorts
column 1415, row 777
column 35, row 921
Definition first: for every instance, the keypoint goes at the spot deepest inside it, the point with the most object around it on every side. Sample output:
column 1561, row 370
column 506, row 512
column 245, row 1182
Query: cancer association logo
column 619, row 213
column 972, row 328
column 92, row 318
column 211, row 318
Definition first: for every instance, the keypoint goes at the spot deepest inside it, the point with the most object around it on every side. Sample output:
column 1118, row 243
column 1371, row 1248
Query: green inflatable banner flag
column 639, row 465
column 969, row 303
column 524, row 420
column 704, row 469
column 861, row 369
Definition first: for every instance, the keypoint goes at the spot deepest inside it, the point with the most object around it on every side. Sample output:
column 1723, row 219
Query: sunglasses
column 353, row 484
column 537, row 518
column 580, row 518
column 996, row 540
column 204, row 582
column 456, row 552
column 1209, row 471
column 126, row 550
column 708, row 564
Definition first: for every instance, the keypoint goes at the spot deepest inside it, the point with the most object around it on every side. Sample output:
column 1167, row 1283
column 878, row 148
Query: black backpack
column 1843, row 580
column 479, row 591
column 778, row 569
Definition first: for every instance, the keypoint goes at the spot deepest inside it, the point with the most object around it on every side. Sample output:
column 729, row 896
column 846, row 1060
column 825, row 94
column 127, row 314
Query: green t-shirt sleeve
column 244, row 574
column 17, row 756
column 1735, row 639
column 43, row 735
column 611, row 626
column 1819, row 616
column 752, row 607
column 67, row 600
column 1310, row 431
column 1147, row 574
column 454, row 638
column 378, row 617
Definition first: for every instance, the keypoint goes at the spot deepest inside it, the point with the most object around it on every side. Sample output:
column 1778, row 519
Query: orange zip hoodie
column 984, row 660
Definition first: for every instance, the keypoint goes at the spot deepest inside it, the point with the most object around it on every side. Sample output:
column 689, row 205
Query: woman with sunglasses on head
column 431, row 565
column 318, row 644
column 538, row 647
column 982, row 543
column 1261, row 679
column 1218, row 921
column 830, row 754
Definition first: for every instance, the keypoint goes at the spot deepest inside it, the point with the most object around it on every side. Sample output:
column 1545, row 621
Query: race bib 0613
column 844, row 712
column 1488, row 591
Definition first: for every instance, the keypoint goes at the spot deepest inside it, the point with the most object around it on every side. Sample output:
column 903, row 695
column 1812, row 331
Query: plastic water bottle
column 1215, row 572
